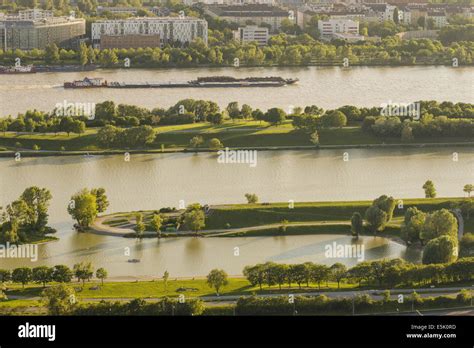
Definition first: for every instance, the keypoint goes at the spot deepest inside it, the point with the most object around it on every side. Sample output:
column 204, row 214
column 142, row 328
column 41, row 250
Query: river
column 154, row 181
column 328, row 87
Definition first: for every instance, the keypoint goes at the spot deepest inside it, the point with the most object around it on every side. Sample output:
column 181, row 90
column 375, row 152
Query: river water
column 328, row 87
column 154, row 181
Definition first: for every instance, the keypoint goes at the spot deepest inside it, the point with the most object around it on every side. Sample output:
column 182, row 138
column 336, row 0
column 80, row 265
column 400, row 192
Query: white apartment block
column 34, row 14
column 169, row 29
column 439, row 19
column 252, row 33
column 329, row 28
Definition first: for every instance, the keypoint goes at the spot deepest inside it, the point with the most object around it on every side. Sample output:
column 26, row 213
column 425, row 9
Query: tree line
column 380, row 273
column 82, row 271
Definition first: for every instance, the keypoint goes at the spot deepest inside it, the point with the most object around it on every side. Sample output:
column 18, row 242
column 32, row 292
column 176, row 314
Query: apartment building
column 38, row 30
column 167, row 29
column 256, row 14
column 252, row 33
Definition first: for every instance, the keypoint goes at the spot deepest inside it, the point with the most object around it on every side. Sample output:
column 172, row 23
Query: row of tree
column 83, row 272
column 380, row 273
column 283, row 49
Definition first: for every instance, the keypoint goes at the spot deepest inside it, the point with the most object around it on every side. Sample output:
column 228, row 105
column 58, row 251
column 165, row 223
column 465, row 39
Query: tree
column 51, row 55
column 5, row 275
column 280, row 273
column 468, row 189
column 37, row 203
column 246, row 111
column 396, row 16
column 194, row 220
column 376, row 218
column 252, row 198
column 430, row 191
column 105, row 111
column 83, row 271
column 101, row 274
column 275, row 116
column 60, row 299
column 412, row 225
column 440, row 250
column 100, row 199
column 299, row 273
column 108, row 58
column 42, row 274
column 215, row 143
column 83, row 208
column 216, row 279
column 319, row 273
column 439, row 223
column 156, row 223
column 62, row 274
column 139, row 225
column 334, row 119
column 338, row 272
column 22, row 275
column 357, row 224
column 196, row 141
column 255, row 275
column 233, row 110
column 83, row 51
column 387, row 204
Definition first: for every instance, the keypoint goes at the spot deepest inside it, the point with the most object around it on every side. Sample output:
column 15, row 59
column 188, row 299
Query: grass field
column 231, row 134
column 245, row 215
column 154, row 289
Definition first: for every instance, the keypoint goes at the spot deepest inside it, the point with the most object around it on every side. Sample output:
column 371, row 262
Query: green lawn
column 154, row 289
column 245, row 215
column 231, row 134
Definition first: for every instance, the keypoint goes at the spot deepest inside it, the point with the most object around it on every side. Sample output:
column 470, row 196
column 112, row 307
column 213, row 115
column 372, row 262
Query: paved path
column 98, row 227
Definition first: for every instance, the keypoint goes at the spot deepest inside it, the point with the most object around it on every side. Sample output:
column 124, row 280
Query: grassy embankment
column 231, row 134
column 332, row 217
column 194, row 288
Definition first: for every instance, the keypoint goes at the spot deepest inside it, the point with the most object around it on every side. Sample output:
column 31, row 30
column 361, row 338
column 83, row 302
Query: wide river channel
column 154, row 181
column 328, row 87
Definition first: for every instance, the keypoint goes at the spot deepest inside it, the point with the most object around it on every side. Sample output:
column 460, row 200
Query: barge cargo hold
column 201, row 82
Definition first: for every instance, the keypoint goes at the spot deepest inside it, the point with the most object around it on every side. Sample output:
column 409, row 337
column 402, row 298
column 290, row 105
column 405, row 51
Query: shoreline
column 52, row 153
column 76, row 67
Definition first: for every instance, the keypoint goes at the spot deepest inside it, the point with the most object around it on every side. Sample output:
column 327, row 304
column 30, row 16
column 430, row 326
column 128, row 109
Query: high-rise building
column 167, row 29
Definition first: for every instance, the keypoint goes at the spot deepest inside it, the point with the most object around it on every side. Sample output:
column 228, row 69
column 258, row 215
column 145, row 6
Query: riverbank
column 247, row 135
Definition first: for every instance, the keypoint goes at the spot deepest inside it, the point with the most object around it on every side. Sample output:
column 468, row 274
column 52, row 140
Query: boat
column 86, row 83
column 134, row 260
column 200, row 82
column 20, row 69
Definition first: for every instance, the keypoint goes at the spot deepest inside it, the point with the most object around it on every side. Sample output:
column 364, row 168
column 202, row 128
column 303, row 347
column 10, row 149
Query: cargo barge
column 200, row 82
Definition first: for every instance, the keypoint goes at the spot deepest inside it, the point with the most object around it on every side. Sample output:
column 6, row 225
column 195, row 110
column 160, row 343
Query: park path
column 98, row 227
